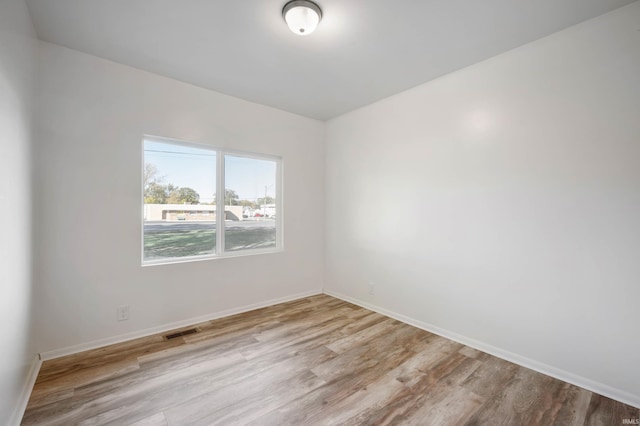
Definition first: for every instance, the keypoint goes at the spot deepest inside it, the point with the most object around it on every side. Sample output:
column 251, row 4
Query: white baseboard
column 583, row 382
column 70, row 350
column 23, row 400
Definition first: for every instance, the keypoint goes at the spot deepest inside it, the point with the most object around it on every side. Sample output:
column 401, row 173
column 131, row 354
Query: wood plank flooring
column 313, row 361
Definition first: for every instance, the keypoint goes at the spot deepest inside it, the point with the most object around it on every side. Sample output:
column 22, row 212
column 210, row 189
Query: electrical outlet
column 123, row 313
column 372, row 289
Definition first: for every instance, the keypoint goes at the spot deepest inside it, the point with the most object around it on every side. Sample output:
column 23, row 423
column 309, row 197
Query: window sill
column 226, row 255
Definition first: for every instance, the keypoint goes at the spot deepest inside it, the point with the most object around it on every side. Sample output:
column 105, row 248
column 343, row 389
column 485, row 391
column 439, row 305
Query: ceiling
column 362, row 51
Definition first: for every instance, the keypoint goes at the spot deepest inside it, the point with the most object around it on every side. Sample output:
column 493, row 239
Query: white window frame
column 220, row 213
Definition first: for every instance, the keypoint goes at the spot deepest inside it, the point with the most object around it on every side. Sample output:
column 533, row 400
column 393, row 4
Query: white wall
column 522, row 174
column 93, row 116
column 18, row 50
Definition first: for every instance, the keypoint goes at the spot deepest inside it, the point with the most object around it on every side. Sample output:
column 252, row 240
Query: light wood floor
column 317, row 360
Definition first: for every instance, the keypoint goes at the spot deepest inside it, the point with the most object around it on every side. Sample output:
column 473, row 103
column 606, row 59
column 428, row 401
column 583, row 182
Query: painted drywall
column 18, row 61
column 94, row 114
column 501, row 203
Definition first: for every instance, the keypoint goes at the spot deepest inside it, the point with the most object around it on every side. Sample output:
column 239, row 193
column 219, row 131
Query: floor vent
column 180, row 333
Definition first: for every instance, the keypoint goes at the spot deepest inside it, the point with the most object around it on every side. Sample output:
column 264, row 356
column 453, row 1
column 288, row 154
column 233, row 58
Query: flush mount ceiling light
column 302, row 16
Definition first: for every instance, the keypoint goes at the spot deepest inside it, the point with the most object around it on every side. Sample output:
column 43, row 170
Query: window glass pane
column 179, row 205
column 250, row 203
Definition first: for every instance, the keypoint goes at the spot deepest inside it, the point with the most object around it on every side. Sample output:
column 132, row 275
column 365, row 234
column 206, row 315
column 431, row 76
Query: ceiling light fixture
column 302, row 16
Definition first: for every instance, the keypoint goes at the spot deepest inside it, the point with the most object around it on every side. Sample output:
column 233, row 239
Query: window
column 184, row 219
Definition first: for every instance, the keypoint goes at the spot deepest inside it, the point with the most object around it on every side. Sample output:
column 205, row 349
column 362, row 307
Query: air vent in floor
column 180, row 333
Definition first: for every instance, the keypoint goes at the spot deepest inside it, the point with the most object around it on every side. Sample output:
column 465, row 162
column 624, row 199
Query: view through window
column 180, row 186
column 250, row 184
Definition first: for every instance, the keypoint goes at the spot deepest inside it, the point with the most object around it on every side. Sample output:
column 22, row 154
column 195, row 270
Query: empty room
column 353, row 212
